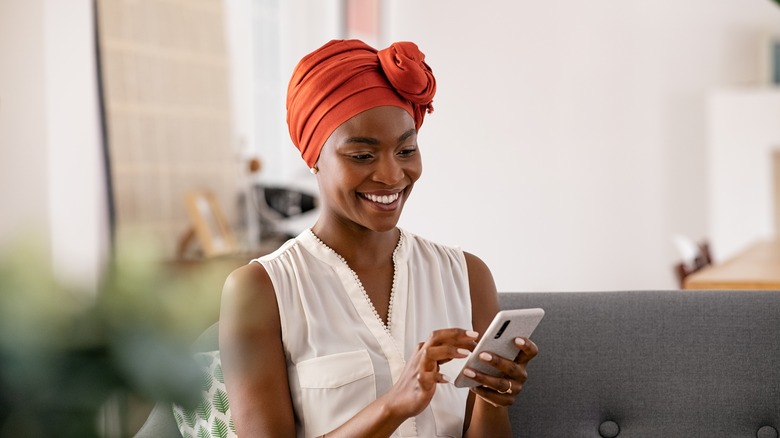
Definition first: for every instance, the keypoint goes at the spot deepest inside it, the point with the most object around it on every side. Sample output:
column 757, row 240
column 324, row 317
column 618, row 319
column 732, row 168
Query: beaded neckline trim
column 388, row 325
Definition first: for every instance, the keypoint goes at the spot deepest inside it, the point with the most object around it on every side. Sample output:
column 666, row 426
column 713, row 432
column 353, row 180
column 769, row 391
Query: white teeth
column 386, row 199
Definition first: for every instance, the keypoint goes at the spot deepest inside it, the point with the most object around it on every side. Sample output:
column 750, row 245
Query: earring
column 314, row 170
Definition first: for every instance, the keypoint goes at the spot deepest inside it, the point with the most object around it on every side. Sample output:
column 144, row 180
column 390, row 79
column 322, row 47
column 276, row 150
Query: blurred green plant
column 64, row 353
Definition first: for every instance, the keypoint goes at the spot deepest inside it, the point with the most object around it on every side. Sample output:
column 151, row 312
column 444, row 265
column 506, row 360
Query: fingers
column 428, row 374
column 443, row 353
column 442, row 346
column 528, row 350
column 502, row 390
column 509, row 369
column 514, row 369
column 428, row 362
column 455, row 336
column 447, row 344
column 418, row 383
column 427, row 380
column 510, row 380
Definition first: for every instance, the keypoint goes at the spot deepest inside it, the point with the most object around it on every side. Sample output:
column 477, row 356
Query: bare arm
column 487, row 413
column 253, row 360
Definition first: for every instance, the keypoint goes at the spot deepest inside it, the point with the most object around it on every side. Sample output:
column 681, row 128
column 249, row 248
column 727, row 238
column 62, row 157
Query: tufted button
column 766, row 432
column 610, row 429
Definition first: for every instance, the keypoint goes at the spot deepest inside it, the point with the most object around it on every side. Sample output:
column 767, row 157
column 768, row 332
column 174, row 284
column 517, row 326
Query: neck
column 359, row 247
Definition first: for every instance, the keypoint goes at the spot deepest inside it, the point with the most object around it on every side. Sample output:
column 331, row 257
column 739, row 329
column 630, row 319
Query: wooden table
column 757, row 267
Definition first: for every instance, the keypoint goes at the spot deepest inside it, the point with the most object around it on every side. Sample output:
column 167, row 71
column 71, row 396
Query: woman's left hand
column 501, row 391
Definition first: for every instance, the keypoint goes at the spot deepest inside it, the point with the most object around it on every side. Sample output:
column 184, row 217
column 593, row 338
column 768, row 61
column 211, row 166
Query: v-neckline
column 390, row 336
column 386, row 325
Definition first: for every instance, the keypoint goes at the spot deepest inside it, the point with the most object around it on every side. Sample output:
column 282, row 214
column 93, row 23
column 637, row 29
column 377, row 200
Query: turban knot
column 346, row 77
column 405, row 68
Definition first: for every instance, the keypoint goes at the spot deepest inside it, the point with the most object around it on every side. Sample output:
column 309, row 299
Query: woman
column 351, row 328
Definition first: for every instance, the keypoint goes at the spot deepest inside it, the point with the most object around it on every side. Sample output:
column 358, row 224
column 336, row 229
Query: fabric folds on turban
column 346, row 77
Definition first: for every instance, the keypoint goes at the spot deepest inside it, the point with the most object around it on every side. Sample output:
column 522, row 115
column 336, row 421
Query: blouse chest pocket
column 333, row 389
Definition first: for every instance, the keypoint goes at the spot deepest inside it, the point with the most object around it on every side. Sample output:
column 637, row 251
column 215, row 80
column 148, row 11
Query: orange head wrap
column 346, row 77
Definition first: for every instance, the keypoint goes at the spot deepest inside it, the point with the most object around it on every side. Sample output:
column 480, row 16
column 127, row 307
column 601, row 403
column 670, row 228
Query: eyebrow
column 373, row 141
column 406, row 135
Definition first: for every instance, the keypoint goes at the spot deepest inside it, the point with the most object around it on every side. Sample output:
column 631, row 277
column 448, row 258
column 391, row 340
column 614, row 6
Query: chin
column 381, row 226
column 379, row 221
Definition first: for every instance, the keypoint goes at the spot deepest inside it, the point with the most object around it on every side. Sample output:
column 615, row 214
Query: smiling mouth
column 383, row 199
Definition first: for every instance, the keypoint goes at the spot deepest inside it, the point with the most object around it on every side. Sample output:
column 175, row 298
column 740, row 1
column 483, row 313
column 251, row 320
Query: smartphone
column 499, row 339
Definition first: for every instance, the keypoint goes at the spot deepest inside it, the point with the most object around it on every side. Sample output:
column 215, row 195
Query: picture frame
column 209, row 225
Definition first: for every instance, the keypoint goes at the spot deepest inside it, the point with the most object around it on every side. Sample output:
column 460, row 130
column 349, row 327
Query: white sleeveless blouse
column 340, row 355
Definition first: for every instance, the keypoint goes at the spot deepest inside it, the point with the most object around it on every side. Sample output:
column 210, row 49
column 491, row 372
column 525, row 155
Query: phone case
column 499, row 339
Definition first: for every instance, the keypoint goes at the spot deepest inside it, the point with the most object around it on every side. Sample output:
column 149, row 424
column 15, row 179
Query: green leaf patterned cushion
column 211, row 418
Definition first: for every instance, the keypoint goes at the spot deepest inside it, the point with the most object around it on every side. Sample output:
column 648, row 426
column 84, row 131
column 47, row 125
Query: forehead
column 382, row 121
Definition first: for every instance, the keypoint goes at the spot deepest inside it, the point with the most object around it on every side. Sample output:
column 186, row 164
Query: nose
column 388, row 171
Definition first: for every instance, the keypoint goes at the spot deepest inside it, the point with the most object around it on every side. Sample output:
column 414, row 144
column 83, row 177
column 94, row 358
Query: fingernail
column 463, row 351
column 444, row 378
column 472, row 334
column 519, row 342
column 470, row 374
column 486, row 357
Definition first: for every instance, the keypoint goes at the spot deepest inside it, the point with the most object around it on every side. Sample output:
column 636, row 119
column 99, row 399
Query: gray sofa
column 641, row 364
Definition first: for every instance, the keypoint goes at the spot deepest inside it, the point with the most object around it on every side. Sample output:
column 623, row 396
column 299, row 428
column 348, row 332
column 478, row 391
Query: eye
column 408, row 151
column 361, row 157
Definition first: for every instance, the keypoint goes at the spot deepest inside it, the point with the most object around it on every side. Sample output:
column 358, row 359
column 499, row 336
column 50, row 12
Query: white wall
column 77, row 188
column 743, row 133
column 51, row 164
column 23, row 166
column 568, row 144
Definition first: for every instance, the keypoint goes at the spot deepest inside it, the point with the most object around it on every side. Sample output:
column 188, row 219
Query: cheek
column 415, row 169
column 336, row 184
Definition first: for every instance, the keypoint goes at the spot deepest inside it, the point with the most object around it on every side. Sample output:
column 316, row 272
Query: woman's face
column 367, row 168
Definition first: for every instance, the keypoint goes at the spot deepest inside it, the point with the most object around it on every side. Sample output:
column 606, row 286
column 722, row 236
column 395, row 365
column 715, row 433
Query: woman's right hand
column 417, row 384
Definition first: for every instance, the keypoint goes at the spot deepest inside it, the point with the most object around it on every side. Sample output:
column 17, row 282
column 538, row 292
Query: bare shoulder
column 484, row 296
column 480, row 278
column 246, row 283
column 248, row 301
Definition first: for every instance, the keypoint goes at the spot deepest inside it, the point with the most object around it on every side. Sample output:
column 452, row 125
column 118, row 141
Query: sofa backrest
column 652, row 364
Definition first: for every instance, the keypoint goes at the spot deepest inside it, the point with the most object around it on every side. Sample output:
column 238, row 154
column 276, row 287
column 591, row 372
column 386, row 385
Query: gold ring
column 508, row 390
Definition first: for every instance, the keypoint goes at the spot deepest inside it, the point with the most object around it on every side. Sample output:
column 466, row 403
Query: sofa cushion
column 651, row 364
column 211, row 417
